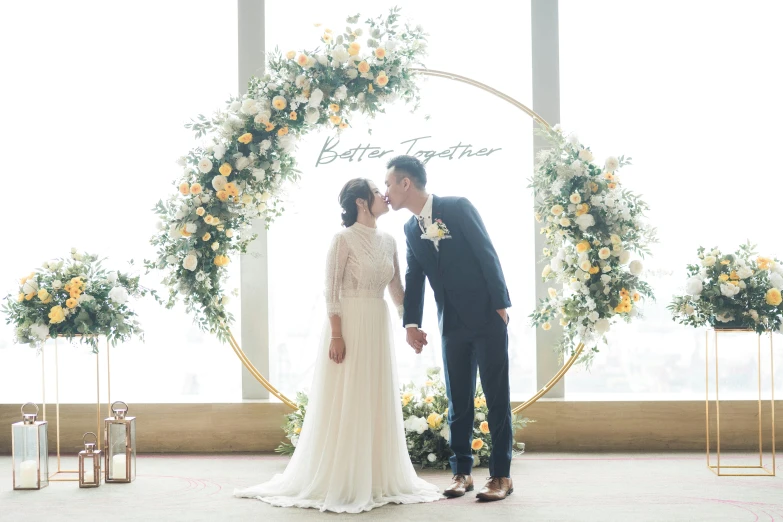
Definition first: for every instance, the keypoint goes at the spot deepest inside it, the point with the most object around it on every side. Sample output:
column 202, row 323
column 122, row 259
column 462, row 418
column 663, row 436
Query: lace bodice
column 362, row 262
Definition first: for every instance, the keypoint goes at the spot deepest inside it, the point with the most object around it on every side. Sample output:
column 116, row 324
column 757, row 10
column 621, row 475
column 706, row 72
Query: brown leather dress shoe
column 460, row 485
column 497, row 488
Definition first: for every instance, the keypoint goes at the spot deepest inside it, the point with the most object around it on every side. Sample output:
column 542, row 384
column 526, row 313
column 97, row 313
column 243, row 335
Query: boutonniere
column 436, row 231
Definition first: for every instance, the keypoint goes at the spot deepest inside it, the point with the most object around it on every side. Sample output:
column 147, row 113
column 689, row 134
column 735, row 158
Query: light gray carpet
column 580, row 487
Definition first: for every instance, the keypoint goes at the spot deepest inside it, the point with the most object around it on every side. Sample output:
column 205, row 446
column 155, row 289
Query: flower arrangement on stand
column 739, row 291
column 594, row 228
column 238, row 174
column 425, row 417
column 74, row 297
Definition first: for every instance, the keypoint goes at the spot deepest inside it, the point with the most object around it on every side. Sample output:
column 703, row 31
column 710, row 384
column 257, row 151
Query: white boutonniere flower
column 436, row 231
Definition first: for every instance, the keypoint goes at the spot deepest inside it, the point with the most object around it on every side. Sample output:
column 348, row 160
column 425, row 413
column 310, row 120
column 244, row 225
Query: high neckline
column 363, row 228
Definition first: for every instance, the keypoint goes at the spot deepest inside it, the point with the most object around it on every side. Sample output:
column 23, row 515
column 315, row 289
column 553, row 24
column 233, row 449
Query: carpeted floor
column 579, row 487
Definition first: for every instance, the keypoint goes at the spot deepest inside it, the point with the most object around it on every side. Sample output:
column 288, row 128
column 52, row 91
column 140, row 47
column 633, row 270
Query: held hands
column 337, row 350
column 416, row 338
column 503, row 315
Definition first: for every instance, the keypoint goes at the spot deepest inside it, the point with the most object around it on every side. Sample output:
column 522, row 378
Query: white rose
column 179, row 214
column 476, row 461
column 171, row 260
column 709, row 261
column 316, row 97
column 557, row 264
column 575, row 286
column 287, row 143
column 604, row 253
column 593, row 316
column 57, row 284
column 341, row 93
column 312, row 115
column 694, row 286
column 215, row 246
column 84, row 298
column 605, row 279
column 242, row 163
column 112, row 277
column 119, row 295
column 585, row 155
column 624, row 257
column 744, row 272
column 742, row 285
column 602, row 326
column 431, row 457
column 235, row 106
column 480, row 417
column 174, row 232
column 259, row 174
column 352, row 74
column 776, row 280
column 225, row 300
column 190, row 262
column 612, row 164
column 729, row 290
column 321, row 58
column 585, row 221
column 219, row 182
column 262, row 207
column 40, row 331
column 754, row 315
column 30, row 287
column 432, row 231
column 250, row 107
column 636, row 268
column 200, row 276
column 689, row 310
column 191, row 228
column 446, row 433
column 265, row 145
column 276, row 166
column 218, row 152
column 230, row 233
column 340, row 55
column 204, row 165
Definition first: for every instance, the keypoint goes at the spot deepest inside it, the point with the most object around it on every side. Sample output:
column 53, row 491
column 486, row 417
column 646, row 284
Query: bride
column 352, row 456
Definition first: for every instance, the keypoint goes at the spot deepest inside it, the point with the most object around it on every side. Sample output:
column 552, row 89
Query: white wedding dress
column 351, row 455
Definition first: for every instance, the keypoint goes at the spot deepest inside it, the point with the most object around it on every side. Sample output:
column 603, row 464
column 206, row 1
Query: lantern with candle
column 30, row 451
column 120, row 445
column 90, row 463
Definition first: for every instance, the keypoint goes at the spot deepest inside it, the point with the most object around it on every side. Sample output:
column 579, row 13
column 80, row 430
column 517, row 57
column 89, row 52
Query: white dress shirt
column 425, row 220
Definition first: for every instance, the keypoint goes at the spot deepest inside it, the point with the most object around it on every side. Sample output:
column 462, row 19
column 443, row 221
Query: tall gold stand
column 54, row 476
column 755, row 470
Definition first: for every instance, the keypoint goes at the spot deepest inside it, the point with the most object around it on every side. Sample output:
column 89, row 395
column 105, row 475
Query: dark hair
column 410, row 167
column 358, row 188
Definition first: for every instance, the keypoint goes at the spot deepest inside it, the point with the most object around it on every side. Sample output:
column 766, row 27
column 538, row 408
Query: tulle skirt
column 351, row 455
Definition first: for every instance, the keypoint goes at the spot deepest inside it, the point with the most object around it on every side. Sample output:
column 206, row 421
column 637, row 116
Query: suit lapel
column 436, row 215
column 424, row 246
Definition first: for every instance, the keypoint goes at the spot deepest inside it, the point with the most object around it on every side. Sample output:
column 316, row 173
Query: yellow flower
column 327, row 37
column 232, row 189
column 546, row 326
column 446, row 413
column 575, row 198
column 434, row 420
column 293, row 116
column 734, row 275
column 725, row 262
column 354, row 48
column 636, row 296
column 71, row 303
column 773, row 297
column 624, row 293
column 334, row 107
column 335, row 119
column 370, row 88
column 302, row 60
column 608, row 175
column 594, row 270
column 26, row 278
column 222, row 195
column 763, row 263
column 407, row 397
column 184, row 233
column 290, row 55
column 582, row 246
column 269, row 127
column 478, row 402
column 343, row 125
column 29, row 296
column 282, row 131
column 382, row 80
column 429, row 399
column 279, row 103
column 56, row 315
column 557, row 210
column 593, row 187
column 477, row 444
column 225, row 169
column 221, row 261
column 723, row 277
column 184, row 189
column 200, row 211
column 43, row 294
column 206, row 237
column 563, row 321
column 484, row 427
column 380, row 53
column 196, row 189
column 429, row 383
column 209, row 219
column 20, row 298
column 612, row 186
column 245, row 138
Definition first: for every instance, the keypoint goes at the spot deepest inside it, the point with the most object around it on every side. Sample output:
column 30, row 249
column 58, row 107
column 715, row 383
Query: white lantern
column 120, row 445
column 30, row 451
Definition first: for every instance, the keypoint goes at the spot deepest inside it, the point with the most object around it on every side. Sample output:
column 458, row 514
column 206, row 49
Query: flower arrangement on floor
column 237, row 175
column 740, row 290
column 425, row 416
column 74, row 297
column 593, row 228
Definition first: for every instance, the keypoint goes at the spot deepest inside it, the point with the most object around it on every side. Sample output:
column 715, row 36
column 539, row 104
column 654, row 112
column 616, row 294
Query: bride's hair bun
column 358, row 188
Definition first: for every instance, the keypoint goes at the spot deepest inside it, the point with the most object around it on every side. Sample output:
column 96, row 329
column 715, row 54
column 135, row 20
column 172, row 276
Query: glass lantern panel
column 26, row 455
column 133, row 449
column 116, row 451
column 43, row 453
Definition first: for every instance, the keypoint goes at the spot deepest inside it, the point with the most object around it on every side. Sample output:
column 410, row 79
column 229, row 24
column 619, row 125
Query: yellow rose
column 594, row 270
column 723, row 277
column 232, row 189
column 43, row 294
column 407, row 398
column 71, row 303
column 354, row 48
column 225, row 169
column 20, row 298
column 575, row 198
column 563, row 321
column 477, row 444
column 484, row 427
column 26, row 278
column 636, row 296
column 245, row 138
column 293, row 116
column 298, row 430
column 221, row 261
column 206, row 237
column 334, row 107
column 557, row 210
column 283, row 131
column 200, row 211
column 434, row 420
column 546, row 326
column 29, row 296
column 593, row 187
column 763, row 263
column 382, row 79
column 269, row 127
column 608, row 175
column 582, row 246
column 335, row 119
column 209, row 219
column 773, row 297
column 734, row 275
column 184, row 189
column 478, row 402
column 302, row 60
column 429, row 399
column 363, row 67
column 279, row 103
column 380, row 53
column 56, row 315
column 290, row 55
column 612, row 186
column 343, row 125
column 222, row 195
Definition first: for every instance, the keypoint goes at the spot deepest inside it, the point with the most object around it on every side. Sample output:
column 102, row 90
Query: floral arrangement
column 238, row 174
column 74, row 297
column 739, row 290
column 424, row 413
column 593, row 228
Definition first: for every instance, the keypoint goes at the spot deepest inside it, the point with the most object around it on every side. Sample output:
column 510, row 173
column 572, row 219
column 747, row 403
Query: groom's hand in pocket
column 416, row 338
column 337, row 350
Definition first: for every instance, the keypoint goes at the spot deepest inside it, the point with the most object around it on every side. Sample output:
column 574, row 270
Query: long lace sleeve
column 396, row 290
column 336, row 261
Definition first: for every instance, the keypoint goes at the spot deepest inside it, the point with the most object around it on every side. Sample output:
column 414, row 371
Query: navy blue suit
column 467, row 279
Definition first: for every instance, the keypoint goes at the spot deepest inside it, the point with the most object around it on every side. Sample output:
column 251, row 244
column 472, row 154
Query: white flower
column 204, row 165
column 557, row 264
column 602, row 326
column 294, row 440
column 585, row 221
column 573, row 139
column 585, row 265
column 218, row 151
column 225, row 300
column 200, row 276
column 174, row 232
column 744, row 272
column 219, row 182
column 742, row 284
column 316, row 97
column 709, row 261
column 754, row 315
column 725, row 317
column 182, row 161
column 604, row 253
column 694, row 286
column 776, row 280
column 352, row 74
column 250, row 107
column 605, row 279
column 476, row 461
column 576, row 286
column 84, row 298
column 205, row 198
column 191, row 228
column 585, row 155
column 322, row 59
column 40, row 331
column 171, row 259
column 593, row 316
column 480, row 417
column 729, row 290
column 445, row 432
column 432, row 231
column 57, row 284
column 340, row 55
column 235, row 106
column 624, row 257
column 341, row 93
column 287, row 143
column 431, row 457
column 611, row 164
column 276, row 166
column 242, row 163
column 575, row 198
column 265, row 145
column 259, row 174
column 30, row 287
column 312, row 115
column 190, row 262
column 215, row 246
column 636, row 268
column 689, row 310
column 119, row 295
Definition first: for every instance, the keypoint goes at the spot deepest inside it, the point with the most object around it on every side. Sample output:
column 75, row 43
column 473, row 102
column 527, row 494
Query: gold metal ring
column 553, row 381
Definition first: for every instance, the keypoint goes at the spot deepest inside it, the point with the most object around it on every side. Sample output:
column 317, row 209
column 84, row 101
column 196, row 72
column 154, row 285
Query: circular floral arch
column 236, row 176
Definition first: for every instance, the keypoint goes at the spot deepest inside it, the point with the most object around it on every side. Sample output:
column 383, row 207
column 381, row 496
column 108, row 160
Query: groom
column 448, row 244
